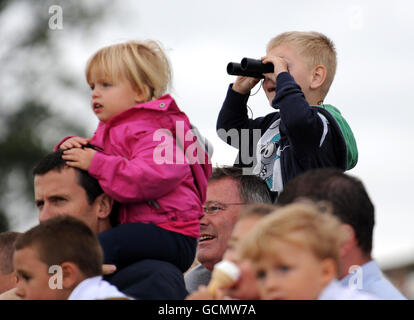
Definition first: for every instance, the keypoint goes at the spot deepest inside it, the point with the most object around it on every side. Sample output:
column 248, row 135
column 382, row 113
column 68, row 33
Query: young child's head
column 294, row 252
column 126, row 74
column 52, row 258
column 311, row 58
column 249, row 216
column 7, row 275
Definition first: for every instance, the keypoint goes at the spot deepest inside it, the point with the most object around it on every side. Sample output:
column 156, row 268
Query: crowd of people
column 137, row 212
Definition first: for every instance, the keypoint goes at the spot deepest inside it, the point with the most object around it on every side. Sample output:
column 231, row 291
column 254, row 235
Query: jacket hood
column 350, row 142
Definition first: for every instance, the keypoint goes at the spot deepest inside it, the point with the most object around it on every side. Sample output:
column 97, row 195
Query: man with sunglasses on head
column 227, row 192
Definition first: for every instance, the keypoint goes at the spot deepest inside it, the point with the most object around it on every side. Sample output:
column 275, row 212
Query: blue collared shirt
column 335, row 291
column 372, row 281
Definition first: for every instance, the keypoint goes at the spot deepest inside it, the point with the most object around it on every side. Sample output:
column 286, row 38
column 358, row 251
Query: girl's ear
column 144, row 95
column 318, row 77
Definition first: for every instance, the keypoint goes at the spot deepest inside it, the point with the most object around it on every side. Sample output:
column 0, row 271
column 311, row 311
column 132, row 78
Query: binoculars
column 249, row 68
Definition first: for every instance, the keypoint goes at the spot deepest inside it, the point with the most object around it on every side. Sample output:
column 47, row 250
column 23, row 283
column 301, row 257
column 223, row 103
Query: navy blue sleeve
column 131, row 242
column 150, row 280
column 234, row 115
column 300, row 123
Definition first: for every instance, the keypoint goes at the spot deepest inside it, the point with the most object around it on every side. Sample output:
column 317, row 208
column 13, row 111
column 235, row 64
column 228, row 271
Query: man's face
column 216, row 227
column 33, row 277
column 59, row 193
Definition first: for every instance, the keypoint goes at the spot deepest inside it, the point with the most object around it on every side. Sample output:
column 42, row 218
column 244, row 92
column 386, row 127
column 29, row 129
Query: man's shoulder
column 150, row 279
column 197, row 276
column 336, row 291
column 198, row 271
column 376, row 283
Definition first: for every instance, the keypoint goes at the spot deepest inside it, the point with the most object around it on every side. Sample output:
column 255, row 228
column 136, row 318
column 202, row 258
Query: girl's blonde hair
column 315, row 47
column 143, row 63
column 303, row 224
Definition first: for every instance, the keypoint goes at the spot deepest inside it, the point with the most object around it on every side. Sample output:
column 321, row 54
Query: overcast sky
column 372, row 88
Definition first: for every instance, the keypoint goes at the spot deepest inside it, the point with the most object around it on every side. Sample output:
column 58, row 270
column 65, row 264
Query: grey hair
column 252, row 189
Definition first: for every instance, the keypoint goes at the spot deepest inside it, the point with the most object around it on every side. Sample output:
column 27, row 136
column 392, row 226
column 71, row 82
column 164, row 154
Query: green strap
column 351, row 146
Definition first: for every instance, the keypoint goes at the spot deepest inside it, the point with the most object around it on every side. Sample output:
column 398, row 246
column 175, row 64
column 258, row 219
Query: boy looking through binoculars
column 302, row 133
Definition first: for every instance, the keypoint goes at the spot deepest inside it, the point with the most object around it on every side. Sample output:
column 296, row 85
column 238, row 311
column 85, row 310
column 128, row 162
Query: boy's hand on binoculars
column 280, row 64
column 243, row 85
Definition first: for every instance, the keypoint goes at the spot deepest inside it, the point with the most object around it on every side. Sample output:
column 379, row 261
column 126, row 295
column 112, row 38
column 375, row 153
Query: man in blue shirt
column 352, row 205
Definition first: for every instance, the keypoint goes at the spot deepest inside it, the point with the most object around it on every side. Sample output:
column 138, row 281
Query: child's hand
column 79, row 158
column 74, row 142
column 243, row 85
column 108, row 269
column 280, row 64
column 202, row 293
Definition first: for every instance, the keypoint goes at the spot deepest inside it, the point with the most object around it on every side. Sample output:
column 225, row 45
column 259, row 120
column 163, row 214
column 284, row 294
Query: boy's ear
column 329, row 271
column 105, row 204
column 318, row 76
column 71, row 275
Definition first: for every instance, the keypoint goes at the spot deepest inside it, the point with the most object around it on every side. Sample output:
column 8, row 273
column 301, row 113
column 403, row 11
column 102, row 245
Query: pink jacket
column 142, row 167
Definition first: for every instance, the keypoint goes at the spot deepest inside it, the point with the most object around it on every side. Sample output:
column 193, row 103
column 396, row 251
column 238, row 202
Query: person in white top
column 96, row 288
column 61, row 259
column 294, row 252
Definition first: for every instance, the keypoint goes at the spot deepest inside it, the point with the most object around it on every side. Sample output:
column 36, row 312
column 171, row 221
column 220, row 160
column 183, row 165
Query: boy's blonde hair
column 315, row 47
column 143, row 63
column 303, row 224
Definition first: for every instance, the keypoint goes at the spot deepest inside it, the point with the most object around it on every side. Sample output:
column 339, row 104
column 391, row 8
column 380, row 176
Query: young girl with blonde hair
column 140, row 156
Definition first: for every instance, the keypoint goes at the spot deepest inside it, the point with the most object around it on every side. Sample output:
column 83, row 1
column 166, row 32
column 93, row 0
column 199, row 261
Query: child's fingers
column 73, row 144
column 69, row 158
column 266, row 59
column 71, row 154
column 78, row 142
column 65, row 145
column 202, row 293
column 108, row 268
column 74, row 164
column 269, row 59
column 83, row 141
